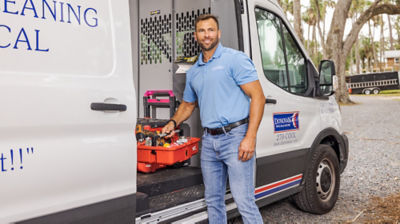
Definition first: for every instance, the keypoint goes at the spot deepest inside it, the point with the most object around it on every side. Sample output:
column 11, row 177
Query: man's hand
column 168, row 129
column 246, row 148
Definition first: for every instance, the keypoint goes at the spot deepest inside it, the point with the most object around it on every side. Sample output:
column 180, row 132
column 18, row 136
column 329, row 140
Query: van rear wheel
column 322, row 181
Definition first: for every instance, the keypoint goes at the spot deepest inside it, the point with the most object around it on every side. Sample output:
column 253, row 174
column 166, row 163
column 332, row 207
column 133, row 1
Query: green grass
column 392, row 91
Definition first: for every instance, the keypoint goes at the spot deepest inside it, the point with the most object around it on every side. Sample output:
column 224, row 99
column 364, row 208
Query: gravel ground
column 373, row 170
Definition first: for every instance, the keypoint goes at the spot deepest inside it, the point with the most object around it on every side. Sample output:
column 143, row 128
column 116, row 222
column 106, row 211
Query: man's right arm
column 184, row 111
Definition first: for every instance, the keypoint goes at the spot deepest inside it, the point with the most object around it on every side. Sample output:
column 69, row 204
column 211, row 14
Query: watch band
column 173, row 122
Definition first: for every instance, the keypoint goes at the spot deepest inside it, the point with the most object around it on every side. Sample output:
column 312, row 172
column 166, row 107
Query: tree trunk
column 308, row 37
column 369, row 65
column 351, row 72
column 314, row 41
column 357, row 49
column 297, row 19
column 371, row 36
column 321, row 34
column 334, row 49
column 397, row 27
column 382, row 45
column 337, row 49
column 390, row 33
column 342, row 93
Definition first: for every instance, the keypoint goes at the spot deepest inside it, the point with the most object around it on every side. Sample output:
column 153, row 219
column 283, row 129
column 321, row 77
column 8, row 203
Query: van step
column 142, row 201
column 168, row 180
column 171, row 199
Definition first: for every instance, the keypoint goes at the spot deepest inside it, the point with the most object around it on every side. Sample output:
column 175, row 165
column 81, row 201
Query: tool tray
column 168, row 155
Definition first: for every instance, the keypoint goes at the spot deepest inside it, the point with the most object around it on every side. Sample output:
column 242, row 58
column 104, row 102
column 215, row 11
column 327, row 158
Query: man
column 222, row 82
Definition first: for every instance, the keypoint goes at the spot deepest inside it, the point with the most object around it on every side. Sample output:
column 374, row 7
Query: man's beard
column 213, row 44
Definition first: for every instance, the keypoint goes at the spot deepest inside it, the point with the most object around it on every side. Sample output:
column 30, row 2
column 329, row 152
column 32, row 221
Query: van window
column 296, row 64
column 271, row 45
column 283, row 63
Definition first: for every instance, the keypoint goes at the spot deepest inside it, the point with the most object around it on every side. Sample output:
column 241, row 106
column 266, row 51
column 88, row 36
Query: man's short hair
column 205, row 17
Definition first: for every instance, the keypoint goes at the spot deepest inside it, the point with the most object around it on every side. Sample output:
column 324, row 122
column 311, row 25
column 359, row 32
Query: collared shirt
column 216, row 86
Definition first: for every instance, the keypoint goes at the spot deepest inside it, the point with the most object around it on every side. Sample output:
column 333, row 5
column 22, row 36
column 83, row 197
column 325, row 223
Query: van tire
column 322, row 182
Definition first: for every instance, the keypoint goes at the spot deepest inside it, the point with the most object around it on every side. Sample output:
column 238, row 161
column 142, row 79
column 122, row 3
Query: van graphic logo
column 288, row 121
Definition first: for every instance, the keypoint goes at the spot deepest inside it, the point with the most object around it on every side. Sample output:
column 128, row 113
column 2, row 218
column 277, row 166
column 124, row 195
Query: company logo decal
column 288, row 121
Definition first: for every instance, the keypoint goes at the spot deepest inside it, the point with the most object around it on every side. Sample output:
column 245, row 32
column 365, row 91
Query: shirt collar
column 216, row 54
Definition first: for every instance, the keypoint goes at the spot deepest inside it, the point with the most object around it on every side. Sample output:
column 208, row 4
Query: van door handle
column 272, row 101
column 108, row 107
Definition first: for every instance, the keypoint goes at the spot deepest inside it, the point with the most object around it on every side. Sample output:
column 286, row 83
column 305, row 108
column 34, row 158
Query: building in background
column 392, row 60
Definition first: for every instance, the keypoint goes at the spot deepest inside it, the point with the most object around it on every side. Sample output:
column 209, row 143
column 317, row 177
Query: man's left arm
column 254, row 91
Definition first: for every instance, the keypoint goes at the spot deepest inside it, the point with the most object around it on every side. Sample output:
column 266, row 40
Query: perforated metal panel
column 185, row 25
column 156, row 31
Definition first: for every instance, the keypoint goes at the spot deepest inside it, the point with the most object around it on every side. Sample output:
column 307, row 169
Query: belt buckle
column 214, row 131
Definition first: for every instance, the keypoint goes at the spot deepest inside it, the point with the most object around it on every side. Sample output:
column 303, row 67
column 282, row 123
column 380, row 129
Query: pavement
column 373, row 171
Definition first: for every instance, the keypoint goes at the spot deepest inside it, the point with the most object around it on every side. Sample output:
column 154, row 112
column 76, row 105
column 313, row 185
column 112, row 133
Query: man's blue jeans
column 219, row 159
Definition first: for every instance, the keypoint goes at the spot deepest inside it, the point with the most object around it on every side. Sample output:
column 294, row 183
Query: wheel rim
column 325, row 180
column 376, row 91
column 367, row 92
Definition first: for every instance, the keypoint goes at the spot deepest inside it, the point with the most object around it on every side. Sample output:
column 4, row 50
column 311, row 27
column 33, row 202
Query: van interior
column 167, row 49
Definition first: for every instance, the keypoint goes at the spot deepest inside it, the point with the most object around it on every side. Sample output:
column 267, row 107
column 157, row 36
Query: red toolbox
column 168, row 155
column 151, row 158
column 159, row 152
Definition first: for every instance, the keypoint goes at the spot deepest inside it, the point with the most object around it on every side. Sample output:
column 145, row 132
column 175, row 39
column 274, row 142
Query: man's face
column 207, row 34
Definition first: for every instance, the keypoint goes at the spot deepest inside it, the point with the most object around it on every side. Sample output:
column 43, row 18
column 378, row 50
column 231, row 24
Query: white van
column 72, row 77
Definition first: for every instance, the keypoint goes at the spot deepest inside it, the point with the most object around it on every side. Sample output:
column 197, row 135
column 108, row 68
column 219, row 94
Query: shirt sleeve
column 243, row 69
column 188, row 94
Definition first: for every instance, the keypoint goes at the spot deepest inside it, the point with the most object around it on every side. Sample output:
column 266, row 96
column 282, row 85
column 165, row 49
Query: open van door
column 68, row 110
column 291, row 112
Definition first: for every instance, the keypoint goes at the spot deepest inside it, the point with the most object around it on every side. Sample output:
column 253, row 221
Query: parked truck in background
column 373, row 83
column 72, row 79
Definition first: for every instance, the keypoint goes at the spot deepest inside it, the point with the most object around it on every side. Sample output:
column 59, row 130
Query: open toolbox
column 151, row 158
column 153, row 150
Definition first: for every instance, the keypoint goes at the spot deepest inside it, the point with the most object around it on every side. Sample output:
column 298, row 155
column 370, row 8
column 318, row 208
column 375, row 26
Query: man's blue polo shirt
column 216, row 87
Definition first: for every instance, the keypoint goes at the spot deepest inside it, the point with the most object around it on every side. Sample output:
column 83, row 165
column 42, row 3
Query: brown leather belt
column 227, row 128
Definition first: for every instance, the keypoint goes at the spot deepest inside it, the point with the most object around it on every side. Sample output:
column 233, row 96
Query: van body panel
column 117, row 210
column 56, row 152
column 63, row 159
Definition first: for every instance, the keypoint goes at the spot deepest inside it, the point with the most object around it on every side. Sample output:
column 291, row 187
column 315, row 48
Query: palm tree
column 357, row 7
column 366, row 54
column 310, row 18
column 381, row 23
column 397, row 27
column 320, row 8
column 390, row 33
column 287, row 6
column 306, row 18
column 375, row 21
column 297, row 19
